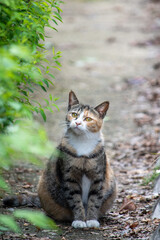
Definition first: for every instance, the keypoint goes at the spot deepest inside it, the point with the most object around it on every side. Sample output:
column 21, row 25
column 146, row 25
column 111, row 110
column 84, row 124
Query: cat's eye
column 74, row 114
column 88, row 119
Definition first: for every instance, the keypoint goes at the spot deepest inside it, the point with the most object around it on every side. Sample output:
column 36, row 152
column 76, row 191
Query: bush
column 22, row 27
column 21, row 65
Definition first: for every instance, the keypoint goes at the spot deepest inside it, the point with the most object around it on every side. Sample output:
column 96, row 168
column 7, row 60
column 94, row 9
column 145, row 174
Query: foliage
column 22, row 69
column 26, row 141
column 155, row 173
column 22, row 27
column 152, row 177
column 8, row 222
column 37, row 218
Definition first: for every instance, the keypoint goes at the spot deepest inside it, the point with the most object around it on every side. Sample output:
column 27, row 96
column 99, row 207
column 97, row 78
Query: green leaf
column 50, row 96
column 53, row 51
column 4, row 185
column 30, row 89
column 50, row 109
column 53, row 28
column 58, row 63
column 46, row 101
column 43, row 88
column 20, row 51
column 36, row 109
column 41, row 36
column 3, row 229
column 37, row 218
column 57, row 68
column 58, row 16
column 42, row 67
column 46, row 82
column 50, row 82
column 51, row 75
column 56, row 98
column 43, row 114
column 45, row 4
column 54, row 21
column 24, row 92
column 53, row 104
column 9, row 222
column 37, row 103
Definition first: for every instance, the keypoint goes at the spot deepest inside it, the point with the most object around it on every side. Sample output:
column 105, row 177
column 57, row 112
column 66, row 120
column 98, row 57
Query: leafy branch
column 23, row 72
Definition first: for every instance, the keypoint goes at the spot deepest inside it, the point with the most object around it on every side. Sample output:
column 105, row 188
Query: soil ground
column 108, row 53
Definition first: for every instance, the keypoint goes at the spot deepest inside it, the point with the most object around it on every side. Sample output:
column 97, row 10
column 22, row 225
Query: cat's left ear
column 102, row 109
column 73, row 100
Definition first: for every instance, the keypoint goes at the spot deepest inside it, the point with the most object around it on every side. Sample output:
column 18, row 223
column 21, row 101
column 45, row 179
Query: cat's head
column 83, row 119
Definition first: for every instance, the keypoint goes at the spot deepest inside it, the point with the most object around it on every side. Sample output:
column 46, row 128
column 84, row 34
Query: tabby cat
column 78, row 185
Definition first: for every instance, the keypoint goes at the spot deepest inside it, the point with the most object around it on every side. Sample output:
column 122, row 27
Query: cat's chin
column 77, row 131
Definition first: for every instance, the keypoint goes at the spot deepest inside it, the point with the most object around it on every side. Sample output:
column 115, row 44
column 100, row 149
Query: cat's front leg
column 73, row 194
column 95, row 199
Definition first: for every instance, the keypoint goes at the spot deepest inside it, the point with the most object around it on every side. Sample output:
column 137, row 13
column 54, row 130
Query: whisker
column 63, row 123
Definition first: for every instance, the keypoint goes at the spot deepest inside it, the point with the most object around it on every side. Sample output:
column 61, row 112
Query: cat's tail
column 29, row 200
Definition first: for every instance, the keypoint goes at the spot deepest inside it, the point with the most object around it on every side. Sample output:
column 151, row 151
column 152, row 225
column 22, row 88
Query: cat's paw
column 78, row 224
column 92, row 224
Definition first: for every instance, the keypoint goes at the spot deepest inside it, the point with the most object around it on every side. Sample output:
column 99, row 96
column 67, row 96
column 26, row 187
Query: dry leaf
column 128, row 205
column 134, row 225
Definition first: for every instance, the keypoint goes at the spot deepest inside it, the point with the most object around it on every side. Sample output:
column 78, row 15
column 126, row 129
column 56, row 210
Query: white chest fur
column 84, row 145
column 86, row 184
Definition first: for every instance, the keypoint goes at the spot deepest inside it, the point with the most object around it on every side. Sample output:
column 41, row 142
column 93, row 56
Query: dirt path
column 97, row 40
column 104, row 58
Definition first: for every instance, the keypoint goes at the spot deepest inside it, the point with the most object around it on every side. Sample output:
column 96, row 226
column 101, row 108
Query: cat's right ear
column 72, row 100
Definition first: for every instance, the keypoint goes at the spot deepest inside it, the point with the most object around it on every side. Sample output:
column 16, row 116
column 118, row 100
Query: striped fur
column 78, row 184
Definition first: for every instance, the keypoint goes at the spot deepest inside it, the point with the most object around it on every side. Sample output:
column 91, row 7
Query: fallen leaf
column 128, row 205
column 134, row 225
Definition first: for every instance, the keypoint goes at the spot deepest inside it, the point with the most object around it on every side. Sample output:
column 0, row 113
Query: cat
column 78, row 184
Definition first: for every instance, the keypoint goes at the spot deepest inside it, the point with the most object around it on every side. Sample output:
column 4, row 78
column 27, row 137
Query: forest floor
column 110, row 51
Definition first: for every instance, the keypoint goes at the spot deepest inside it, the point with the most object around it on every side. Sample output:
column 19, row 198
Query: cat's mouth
column 78, row 130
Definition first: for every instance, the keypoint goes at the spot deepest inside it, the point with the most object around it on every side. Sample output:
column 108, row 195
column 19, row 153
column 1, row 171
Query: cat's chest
column 83, row 146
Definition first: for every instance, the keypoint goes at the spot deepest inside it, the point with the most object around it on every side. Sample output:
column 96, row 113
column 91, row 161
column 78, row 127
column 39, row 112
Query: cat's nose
column 78, row 123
